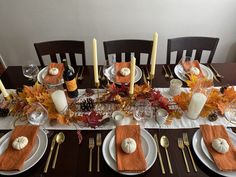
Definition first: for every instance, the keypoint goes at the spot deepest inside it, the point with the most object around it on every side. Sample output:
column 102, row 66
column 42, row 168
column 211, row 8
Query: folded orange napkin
column 119, row 78
column 13, row 159
column 227, row 161
column 50, row 79
column 188, row 64
column 134, row 162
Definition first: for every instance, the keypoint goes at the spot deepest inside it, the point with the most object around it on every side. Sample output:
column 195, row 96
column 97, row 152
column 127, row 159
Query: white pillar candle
column 197, row 102
column 132, row 74
column 59, row 100
column 4, row 91
column 154, row 54
column 95, row 61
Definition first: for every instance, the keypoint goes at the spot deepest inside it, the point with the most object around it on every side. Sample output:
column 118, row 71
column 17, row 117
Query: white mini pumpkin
column 20, row 142
column 53, row 71
column 195, row 70
column 220, row 145
column 128, row 145
column 125, row 71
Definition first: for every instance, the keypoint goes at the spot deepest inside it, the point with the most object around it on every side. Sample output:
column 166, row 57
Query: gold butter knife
column 50, row 153
column 159, row 154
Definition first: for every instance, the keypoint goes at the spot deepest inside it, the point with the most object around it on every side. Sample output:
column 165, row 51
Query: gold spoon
column 165, row 144
column 59, row 139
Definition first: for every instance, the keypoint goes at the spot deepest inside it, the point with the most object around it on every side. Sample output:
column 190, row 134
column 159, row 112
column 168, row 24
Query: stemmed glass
column 30, row 71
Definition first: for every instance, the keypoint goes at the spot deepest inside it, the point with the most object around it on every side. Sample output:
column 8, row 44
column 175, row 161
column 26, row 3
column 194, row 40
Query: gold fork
column 166, row 74
column 181, row 146
column 217, row 74
column 81, row 74
column 91, row 146
column 98, row 143
column 186, row 143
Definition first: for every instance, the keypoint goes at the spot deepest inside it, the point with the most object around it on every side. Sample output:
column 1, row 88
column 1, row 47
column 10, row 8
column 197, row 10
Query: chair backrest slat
column 198, row 54
column 189, row 44
column 53, row 48
column 128, row 46
column 63, row 56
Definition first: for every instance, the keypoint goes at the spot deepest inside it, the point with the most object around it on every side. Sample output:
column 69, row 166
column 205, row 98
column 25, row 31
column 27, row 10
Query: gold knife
column 50, row 153
column 159, row 154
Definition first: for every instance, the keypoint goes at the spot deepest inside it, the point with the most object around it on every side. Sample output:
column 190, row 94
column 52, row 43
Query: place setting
column 125, row 145
column 187, row 66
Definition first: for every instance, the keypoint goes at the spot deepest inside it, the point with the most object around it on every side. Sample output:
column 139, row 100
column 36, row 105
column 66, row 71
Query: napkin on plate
column 188, row 64
column 13, row 159
column 50, row 79
column 119, row 78
column 227, row 161
column 134, row 162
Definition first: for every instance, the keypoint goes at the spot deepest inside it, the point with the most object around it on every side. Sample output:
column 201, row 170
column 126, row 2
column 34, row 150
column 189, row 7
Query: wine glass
column 30, row 71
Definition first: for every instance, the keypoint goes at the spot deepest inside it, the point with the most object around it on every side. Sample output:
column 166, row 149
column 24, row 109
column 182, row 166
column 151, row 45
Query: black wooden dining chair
column 128, row 48
column 189, row 44
column 60, row 49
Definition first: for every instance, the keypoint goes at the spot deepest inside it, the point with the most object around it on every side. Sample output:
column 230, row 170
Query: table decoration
column 154, row 54
column 132, row 74
column 3, row 90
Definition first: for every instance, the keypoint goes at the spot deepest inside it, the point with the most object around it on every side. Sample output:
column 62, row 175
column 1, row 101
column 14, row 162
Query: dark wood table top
column 73, row 157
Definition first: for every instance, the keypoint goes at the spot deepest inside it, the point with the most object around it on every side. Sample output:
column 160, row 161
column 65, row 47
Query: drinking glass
column 30, row 71
column 142, row 111
column 38, row 115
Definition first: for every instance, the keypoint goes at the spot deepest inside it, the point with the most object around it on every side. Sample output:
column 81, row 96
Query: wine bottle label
column 71, row 85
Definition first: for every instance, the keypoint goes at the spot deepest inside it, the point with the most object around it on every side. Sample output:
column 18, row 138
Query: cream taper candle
column 2, row 88
column 154, row 54
column 95, row 61
column 132, row 74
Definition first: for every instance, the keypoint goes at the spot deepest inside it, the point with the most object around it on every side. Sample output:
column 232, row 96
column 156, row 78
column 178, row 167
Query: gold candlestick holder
column 151, row 79
column 97, row 85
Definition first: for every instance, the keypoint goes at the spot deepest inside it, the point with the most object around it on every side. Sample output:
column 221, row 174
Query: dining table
column 73, row 159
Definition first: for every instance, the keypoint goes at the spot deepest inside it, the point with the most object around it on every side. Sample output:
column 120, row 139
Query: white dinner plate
column 180, row 73
column 112, row 147
column 110, row 74
column 36, row 154
column 196, row 141
column 43, row 72
column 151, row 149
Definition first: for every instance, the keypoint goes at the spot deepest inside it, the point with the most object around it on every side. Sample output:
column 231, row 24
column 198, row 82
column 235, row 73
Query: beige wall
column 23, row 22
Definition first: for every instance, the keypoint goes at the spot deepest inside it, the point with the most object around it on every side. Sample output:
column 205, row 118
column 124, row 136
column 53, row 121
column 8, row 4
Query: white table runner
column 184, row 122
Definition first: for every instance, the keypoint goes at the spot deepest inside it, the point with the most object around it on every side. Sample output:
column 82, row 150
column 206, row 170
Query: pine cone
column 87, row 104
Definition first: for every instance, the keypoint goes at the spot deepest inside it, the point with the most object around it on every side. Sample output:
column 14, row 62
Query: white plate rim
column 206, row 72
column 196, row 142
column 137, row 77
column 110, row 161
column 43, row 143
